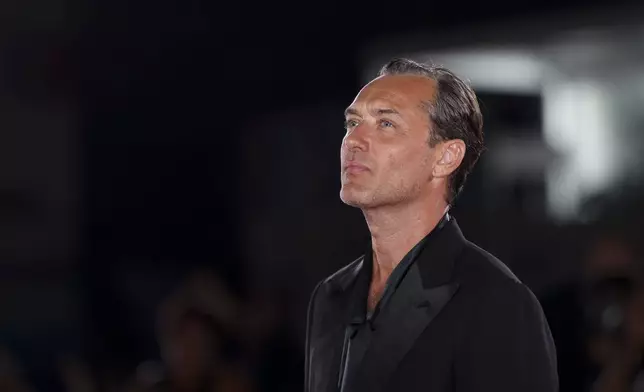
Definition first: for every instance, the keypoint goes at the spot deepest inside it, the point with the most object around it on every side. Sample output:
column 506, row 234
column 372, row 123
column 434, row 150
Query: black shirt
column 363, row 324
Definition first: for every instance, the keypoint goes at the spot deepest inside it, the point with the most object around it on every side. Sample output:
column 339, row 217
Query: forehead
column 401, row 91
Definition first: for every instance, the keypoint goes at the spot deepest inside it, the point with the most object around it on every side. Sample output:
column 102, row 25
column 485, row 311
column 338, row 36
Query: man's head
column 412, row 133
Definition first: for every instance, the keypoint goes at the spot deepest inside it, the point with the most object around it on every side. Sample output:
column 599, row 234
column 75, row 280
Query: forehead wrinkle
column 383, row 99
column 380, row 107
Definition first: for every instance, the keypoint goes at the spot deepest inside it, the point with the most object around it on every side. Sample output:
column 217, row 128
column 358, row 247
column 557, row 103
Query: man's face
column 385, row 156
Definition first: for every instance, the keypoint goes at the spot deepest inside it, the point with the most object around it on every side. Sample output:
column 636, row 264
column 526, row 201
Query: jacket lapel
column 397, row 331
column 423, row 293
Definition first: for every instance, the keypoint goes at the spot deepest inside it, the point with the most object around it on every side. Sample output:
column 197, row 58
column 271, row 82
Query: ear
column 450, row 155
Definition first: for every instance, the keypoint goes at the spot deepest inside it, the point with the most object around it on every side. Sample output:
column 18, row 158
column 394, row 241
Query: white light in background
column 577, row 125
column 576, row 120
column 499, row 70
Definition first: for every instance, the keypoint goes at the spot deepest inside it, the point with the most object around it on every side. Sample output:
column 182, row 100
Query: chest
column 408, row 353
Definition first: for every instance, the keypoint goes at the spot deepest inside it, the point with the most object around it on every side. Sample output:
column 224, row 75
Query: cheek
column 396, row 163
column 397, row 172
column 408, row 163
column 426, row 165
column 396, row 156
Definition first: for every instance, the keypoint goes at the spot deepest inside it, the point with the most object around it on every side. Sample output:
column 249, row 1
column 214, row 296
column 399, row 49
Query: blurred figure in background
column 212, row 340
column 76, row 375
column 618, row 349
column 596, row 320
column 12, row 378
column 195, row 353
column 198, row 345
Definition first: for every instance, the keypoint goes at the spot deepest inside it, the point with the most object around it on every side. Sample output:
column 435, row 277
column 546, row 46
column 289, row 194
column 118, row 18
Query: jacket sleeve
column 508, row 346
column 307, row 343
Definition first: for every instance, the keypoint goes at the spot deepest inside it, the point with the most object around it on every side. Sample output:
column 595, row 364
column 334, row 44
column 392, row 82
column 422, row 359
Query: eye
column 350, row 123
column 386, row 124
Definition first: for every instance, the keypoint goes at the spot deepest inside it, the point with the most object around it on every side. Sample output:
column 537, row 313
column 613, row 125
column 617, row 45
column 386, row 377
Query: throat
column 375, row 294
column 379, row 277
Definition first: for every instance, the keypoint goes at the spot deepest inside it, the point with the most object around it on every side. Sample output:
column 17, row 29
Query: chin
column 354, row 198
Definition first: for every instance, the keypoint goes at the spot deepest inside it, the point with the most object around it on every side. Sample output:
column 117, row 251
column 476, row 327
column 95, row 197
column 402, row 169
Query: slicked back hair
column 453, row 114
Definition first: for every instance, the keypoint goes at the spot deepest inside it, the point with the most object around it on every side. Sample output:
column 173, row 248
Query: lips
column 354, row 167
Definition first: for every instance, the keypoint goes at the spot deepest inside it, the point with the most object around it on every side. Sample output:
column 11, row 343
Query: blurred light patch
column 499, row 70
column 577, row 125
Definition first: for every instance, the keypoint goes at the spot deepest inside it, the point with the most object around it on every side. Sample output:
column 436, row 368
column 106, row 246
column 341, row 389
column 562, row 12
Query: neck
column 396, row 229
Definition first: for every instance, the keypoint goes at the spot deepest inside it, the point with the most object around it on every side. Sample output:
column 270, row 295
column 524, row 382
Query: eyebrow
column 381, row 111
column 351, row 111
column 387, row 111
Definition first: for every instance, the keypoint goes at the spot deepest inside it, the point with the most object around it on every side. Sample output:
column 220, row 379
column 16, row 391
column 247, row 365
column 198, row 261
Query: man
column 423, row 309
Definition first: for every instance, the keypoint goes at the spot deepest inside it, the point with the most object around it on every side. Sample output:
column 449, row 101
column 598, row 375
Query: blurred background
column 169, row 178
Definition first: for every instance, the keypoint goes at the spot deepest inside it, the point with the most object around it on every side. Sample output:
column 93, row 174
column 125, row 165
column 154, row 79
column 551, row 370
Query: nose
column 355, row 139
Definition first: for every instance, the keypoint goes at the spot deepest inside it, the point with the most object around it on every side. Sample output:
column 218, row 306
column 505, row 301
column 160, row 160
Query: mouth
column 355, row 168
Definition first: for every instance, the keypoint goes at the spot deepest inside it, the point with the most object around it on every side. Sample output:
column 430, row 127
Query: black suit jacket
column 469, row 325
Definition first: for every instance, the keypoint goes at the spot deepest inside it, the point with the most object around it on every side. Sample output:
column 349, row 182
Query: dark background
column 144, row 141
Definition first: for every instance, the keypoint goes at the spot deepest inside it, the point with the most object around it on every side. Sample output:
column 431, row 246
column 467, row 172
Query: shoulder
column 499, row 305
column 481, row 272
column 339, row 281
column 477, row 263
column 505, row 342
column 323, row 292
column 342, row 278
column 492, row 283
